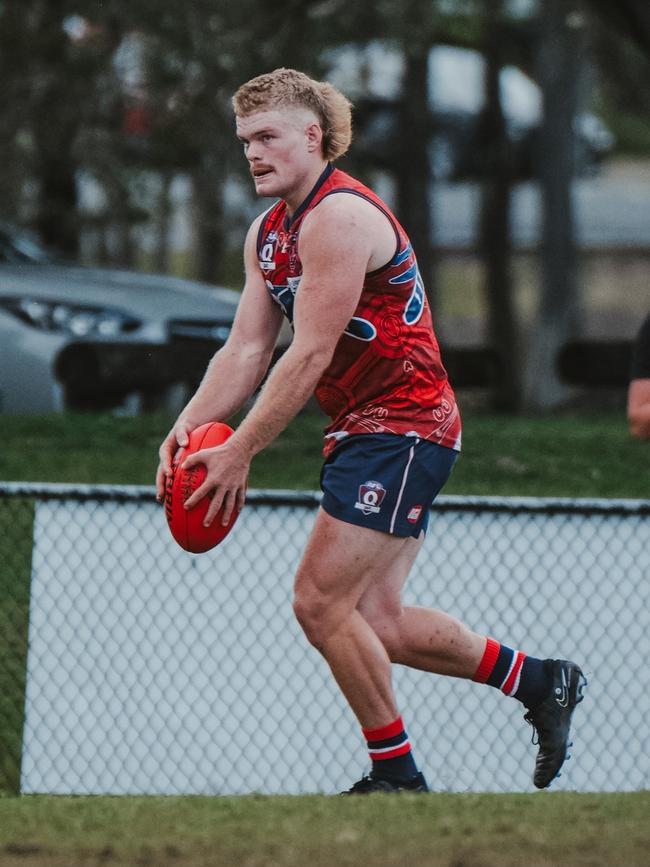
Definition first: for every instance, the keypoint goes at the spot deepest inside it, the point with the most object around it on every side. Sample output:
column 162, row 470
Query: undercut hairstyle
column 288, row 87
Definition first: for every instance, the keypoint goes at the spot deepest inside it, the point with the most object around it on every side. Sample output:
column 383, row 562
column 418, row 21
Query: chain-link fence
column 150, row 670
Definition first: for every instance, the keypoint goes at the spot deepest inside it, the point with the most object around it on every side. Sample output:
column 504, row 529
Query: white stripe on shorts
column 403, row 485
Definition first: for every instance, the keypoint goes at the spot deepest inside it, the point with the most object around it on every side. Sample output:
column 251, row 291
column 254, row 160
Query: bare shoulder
column 337, row 223
column 347, row 209
column 349, row 221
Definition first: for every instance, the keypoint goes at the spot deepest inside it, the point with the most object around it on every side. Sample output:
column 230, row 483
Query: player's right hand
column 178, row 437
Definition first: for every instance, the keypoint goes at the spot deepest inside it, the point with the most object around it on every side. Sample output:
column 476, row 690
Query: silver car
column 73, row 337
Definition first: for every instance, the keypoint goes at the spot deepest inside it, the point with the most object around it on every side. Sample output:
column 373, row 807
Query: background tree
column 68, row 110
column 629, row 17
column 413, row 175
column 560, row 55
column 495, row 235
column 48, row 83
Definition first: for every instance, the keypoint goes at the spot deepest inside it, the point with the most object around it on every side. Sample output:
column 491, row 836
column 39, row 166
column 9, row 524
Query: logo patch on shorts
column 414, row 514
column 371, row 496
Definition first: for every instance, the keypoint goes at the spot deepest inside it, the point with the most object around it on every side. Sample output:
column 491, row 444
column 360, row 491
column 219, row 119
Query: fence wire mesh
column 130, row 666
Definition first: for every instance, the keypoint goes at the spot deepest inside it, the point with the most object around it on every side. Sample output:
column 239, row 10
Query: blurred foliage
column 73, row 97
column 623, row 98
column 132, row 94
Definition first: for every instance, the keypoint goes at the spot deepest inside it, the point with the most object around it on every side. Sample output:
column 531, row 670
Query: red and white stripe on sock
column 500, row 667
column 390, row 751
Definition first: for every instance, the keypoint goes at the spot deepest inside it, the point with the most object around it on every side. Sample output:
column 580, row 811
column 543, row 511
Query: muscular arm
column 335, row 249
column 237, row 368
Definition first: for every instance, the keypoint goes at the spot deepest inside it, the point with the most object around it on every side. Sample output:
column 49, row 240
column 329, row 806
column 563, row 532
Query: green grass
column 383, row 831
column 439, row 829
column 567, row 456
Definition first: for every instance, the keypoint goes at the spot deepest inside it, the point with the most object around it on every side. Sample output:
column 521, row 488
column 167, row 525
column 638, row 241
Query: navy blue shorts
column 385, row 481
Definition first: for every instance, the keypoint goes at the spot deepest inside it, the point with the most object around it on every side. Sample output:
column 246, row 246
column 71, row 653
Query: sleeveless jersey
column 386, row 375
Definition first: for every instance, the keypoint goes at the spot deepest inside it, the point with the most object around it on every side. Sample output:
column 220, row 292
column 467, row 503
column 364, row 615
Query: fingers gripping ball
column 187, row 526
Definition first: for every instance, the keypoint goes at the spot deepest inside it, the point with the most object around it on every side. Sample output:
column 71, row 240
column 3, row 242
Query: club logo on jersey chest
column 267, row 252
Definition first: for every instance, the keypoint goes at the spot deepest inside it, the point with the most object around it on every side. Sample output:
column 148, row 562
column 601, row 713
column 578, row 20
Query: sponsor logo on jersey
column 267, row 253
column 287, row 240
column 414, row 514
column 293, row 283
column 371, row 496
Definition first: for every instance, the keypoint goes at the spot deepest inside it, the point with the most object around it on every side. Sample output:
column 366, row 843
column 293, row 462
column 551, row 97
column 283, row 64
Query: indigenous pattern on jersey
column 386, row 375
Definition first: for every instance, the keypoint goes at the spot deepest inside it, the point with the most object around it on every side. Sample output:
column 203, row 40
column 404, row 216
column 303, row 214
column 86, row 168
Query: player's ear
column 314, row 135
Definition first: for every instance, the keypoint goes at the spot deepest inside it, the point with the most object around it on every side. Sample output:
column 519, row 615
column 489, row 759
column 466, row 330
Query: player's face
column 283, row 149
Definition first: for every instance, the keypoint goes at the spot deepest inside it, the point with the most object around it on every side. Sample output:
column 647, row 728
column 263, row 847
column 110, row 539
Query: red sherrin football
column 187, row 526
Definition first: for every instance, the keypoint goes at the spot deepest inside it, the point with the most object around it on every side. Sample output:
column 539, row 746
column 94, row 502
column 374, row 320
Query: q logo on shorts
column 371, row 495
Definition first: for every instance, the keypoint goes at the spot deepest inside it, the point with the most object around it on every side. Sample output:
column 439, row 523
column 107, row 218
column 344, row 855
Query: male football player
column 331, row 257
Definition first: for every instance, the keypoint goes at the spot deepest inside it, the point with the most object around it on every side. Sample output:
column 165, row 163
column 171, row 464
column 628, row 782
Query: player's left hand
column 227, row 469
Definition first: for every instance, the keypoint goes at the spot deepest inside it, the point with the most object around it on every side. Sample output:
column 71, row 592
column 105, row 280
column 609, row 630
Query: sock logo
column 371, row 496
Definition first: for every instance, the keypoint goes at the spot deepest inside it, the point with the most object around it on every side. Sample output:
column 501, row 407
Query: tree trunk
column 495, row 222
column 414, row 172
column 161, row 261
column 209, row 231
column 54, row 128
column 559, row 60
column 56, row 219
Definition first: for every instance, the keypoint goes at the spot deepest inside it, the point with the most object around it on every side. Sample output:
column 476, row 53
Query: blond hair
column 288, row 87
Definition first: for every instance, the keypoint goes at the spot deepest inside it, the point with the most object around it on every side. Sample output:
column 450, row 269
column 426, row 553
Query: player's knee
column 314, row 616
column 308, row 611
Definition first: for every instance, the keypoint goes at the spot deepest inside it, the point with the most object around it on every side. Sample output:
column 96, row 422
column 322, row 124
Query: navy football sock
column 390, row 752
column 535, row 682
column 526, row 678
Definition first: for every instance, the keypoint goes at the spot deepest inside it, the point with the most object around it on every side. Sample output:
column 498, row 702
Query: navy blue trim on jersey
column 290, row 220
column 385, row 482
column 262, row 226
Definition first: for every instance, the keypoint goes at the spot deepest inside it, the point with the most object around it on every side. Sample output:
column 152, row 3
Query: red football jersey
column 386, row 375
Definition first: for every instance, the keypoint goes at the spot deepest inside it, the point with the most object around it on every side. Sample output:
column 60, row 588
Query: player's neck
column 295, row 198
